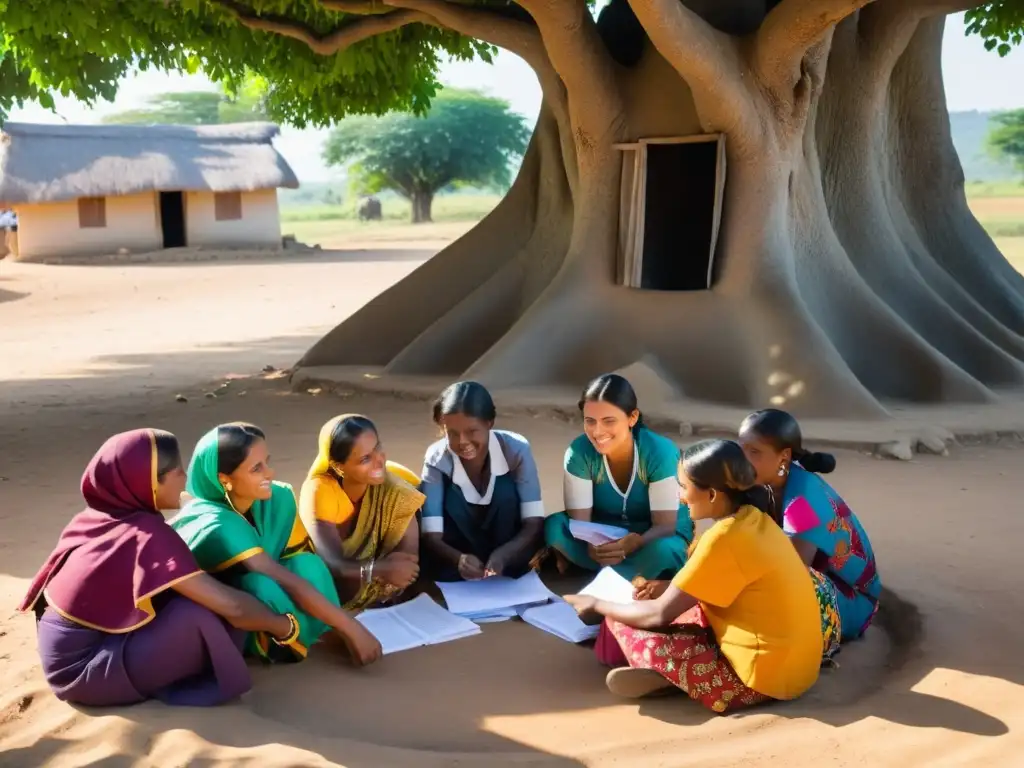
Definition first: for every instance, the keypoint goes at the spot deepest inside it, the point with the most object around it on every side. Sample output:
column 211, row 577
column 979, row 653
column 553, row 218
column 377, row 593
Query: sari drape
column 383, row 516
column 220, row 539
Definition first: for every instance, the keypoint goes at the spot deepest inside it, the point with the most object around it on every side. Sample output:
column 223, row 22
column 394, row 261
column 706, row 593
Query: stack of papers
column 496, row 598
column 415, row 623
column 595, row 533
column 561, row 620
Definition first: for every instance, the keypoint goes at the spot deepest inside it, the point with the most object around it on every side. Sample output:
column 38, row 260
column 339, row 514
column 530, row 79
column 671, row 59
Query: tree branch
column 518, row 37
column 708, row 60
column 886, row 27
column 791, row 28
column 328, row 44
column 581, row 60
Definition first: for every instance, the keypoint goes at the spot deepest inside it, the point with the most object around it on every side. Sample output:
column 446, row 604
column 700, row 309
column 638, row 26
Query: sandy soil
column 85, row 352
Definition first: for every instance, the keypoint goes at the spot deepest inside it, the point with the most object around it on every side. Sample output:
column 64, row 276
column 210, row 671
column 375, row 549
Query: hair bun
column 818, row 463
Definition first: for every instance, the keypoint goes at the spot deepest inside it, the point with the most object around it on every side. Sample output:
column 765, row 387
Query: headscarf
column 384, row 515
column 321, row 466
column 203, row 482
column 322, row 463
column 118, row 553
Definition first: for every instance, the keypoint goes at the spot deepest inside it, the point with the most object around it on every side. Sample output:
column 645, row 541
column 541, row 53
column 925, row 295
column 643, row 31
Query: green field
column 998, row 206
column 396, row 210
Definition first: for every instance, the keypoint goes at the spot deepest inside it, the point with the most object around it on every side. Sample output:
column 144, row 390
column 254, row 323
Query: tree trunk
column 849, row 269
column 422, row 202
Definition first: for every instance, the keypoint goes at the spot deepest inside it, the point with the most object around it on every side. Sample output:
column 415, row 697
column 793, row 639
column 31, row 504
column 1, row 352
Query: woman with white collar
column 483, row 514
column 620, row 473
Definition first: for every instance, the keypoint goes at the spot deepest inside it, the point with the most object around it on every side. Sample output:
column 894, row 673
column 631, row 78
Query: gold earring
column 228, row 487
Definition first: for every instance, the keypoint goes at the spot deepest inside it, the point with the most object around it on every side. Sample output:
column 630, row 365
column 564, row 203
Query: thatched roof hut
column 200, row 183
column 48, row 163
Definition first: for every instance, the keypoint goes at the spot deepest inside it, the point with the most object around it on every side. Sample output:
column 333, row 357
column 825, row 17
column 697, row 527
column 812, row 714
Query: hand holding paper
column 596, row 533
column 609, row 585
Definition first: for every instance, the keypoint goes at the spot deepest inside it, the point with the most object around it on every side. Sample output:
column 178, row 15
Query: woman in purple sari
column 124, row 612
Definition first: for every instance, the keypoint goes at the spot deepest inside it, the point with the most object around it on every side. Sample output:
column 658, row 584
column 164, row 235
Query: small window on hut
column 92, row 212
column 227, row 206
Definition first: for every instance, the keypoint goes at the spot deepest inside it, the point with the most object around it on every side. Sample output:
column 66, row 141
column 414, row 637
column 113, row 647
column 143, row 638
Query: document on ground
column 415, row 623
column 561, row 620
column 495, row 595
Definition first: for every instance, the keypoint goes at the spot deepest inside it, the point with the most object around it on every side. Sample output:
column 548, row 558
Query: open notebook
column 415, row 623
column 495, row 597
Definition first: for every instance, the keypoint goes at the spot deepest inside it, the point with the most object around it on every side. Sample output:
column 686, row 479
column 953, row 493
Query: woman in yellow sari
column 360, row 510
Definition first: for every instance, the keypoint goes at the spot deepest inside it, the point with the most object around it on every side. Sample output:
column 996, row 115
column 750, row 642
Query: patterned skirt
column 831, row 627
column 687, row 656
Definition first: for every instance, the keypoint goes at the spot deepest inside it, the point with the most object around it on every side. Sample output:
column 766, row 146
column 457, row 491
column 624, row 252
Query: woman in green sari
column 242, row 526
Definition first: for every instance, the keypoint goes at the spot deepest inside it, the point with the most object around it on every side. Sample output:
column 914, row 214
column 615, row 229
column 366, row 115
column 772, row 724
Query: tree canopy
column 319, row 62
column 321, row 59
column 193, row 108
column 465, row 137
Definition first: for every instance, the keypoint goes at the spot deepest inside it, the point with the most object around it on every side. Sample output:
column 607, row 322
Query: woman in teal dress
column 620, row 473
column 242, row 526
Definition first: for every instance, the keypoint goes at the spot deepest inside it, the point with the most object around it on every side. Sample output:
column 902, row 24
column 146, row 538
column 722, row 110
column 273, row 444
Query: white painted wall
column 260, row 223
column 49, row 230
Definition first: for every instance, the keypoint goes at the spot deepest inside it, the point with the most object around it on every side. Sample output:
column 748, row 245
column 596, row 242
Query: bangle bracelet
column 366, row 571
column 293, row 632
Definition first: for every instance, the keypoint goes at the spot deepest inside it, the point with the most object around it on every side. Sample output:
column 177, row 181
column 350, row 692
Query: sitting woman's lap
column 659, row 559
column 185, row 655
column 686, row 655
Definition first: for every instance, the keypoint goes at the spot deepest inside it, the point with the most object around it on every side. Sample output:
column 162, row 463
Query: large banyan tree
column 848, row 270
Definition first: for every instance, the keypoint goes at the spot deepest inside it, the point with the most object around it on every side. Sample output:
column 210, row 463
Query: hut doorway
column 172, row 219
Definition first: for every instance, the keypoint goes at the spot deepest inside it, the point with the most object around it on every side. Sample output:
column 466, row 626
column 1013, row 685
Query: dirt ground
column 86, row 352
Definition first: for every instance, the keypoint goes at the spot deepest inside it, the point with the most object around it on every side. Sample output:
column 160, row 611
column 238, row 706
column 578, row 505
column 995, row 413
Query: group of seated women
column 131, row 606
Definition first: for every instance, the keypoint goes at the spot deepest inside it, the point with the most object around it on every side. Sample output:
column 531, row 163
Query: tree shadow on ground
column 6, row 295
column 9, row 295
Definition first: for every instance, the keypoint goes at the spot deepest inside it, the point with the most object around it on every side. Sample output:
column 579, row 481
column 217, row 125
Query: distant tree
column 464, row 138
column 1006, row 137
column 196, row 108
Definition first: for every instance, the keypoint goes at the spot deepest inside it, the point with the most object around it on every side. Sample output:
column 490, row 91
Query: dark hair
column 781, row 431
column 614, row 389
column 345, row 434
column 234, row 441
column 721, row 465
column 168, row 453
column 467, row 398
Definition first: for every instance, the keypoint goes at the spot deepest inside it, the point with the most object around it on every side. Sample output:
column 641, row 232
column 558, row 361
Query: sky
column 975, row 80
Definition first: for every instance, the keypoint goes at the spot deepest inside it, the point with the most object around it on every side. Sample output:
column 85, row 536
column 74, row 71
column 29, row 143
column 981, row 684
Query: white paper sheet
column 561, row 620
column 609, row 585
column 497, row 593
column 491, row 616
column 595, row 533
column 415, row 623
